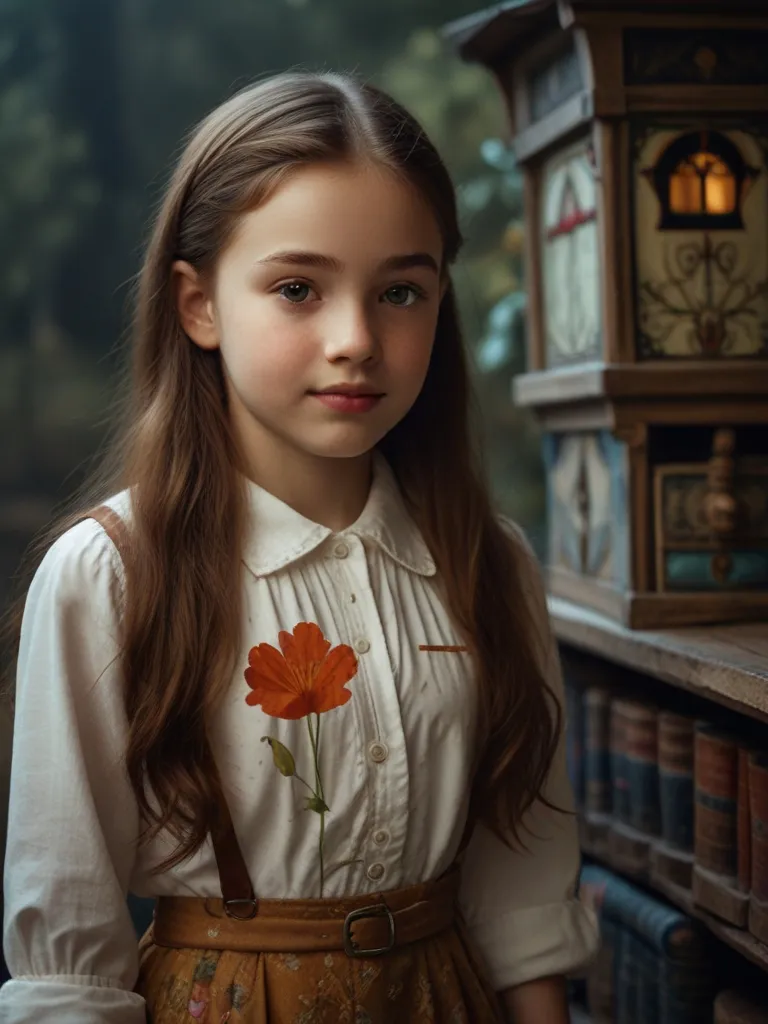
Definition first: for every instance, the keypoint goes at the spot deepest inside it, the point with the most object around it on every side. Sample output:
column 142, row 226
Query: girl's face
column 324, row 308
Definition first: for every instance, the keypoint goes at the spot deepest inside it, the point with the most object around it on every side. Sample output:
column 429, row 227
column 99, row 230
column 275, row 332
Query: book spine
column 686, row 992
column 676, row 779
column 597, row 751
column 743, row 824
column 619, row 779
column 626, row 978
column 662, row 927
column 654, row 965
column 642, row 765
column 758, row 806
column 716, row 770
column 647, row 961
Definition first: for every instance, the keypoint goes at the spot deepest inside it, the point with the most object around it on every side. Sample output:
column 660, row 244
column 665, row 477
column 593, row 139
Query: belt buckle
column 351, row 948
column 253, row 903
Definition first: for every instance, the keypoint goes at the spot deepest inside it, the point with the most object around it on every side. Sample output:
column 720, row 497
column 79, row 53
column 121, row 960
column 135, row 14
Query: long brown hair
column 174, row 450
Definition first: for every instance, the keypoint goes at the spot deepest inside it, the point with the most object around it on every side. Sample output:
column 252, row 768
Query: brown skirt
column 434, row 981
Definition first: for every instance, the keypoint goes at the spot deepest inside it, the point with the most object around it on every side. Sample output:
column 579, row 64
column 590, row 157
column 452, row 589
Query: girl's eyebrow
column 316, row 259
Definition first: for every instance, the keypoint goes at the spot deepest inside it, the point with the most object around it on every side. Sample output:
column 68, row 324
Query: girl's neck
column 332, row 492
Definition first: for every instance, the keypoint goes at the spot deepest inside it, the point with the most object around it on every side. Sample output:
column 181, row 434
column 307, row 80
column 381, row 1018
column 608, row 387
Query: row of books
column 656, row 964
column 680, row 791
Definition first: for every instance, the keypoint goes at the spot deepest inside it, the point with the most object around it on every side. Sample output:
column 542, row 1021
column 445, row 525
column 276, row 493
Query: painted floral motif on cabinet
column 570, row 257
column 701, row 245
column 588, row 527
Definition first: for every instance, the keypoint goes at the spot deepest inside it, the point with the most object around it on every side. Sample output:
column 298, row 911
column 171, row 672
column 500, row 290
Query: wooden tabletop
column 727, row 664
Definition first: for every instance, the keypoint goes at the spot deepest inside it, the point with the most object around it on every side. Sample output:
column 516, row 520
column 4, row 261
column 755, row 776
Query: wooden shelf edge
column 726, row 664
column 595, row 379
column 744, row 943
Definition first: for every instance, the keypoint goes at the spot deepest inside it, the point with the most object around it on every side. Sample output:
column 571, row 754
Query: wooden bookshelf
column 741, row 941
column 727, row 664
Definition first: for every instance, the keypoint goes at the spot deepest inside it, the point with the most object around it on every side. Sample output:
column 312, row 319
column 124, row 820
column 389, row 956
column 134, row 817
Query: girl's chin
column 352, row 445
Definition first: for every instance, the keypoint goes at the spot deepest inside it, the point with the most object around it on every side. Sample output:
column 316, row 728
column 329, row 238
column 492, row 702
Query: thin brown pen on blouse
column 446, row 648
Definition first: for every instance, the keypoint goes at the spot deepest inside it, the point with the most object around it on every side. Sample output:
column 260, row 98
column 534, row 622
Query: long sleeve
column 73, row 822
column 520, row 905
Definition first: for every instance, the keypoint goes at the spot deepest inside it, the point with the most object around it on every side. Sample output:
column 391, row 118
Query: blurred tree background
column 95, row 98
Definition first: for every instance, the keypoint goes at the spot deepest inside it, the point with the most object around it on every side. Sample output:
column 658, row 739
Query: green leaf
column 315, row 803
column 282, row 756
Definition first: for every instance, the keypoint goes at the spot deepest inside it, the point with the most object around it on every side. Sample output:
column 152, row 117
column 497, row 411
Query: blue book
column 662, row 968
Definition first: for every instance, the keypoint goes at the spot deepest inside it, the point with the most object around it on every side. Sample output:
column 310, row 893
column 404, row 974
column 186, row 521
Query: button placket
column 378, row 713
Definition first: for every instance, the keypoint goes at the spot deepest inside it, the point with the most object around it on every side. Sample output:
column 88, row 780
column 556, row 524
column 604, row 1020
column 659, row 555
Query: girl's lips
column 346, row 402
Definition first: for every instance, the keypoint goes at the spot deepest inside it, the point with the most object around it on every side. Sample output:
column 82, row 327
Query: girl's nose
column 352, row 335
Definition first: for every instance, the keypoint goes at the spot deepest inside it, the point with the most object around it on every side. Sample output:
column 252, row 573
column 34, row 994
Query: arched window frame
column 680, row 151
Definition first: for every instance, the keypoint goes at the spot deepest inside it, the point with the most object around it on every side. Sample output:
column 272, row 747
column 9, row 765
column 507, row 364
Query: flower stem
column 314, row 739
column 319, row 780
column 303, row 782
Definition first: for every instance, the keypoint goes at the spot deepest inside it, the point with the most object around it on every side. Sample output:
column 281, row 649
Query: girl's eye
column 402, row 295
column 295, row 291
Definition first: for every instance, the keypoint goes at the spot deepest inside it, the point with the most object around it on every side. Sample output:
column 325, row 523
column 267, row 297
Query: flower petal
column 267, row 670
column 273, row 685
column 305, row 648
column 338, row 668
column 282, row 704
column 306, row 675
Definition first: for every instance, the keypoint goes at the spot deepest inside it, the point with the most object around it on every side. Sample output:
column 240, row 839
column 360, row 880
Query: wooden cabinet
column 641, row 134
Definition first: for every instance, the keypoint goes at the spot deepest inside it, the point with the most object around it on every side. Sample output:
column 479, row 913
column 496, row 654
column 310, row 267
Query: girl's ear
column 194, row 305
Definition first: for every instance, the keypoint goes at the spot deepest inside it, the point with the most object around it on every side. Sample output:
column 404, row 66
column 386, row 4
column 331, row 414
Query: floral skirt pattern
column 435, row 981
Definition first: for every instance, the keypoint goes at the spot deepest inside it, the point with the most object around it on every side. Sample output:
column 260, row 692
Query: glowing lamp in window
column 702, row 184
column 701, row 180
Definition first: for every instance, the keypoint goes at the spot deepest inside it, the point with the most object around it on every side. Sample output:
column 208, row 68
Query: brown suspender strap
column 112, row 525
column 236, row 888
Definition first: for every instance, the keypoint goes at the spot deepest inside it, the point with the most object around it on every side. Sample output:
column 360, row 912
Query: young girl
column 295, row 664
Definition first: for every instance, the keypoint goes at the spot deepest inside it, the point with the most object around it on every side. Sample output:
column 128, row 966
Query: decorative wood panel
column 663, row 56
column 688, row 556
column 587, row 477
column 700, row 240
column 553, row 81
column 570, row 257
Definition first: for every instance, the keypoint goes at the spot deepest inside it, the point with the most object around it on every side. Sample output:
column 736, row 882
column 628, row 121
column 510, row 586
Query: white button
column 362, row 646
column 341, row 550
column 380, row 836
column 375, row 872
column 379, row 752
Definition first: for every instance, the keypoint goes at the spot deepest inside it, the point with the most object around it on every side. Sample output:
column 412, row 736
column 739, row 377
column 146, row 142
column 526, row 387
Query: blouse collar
column 278, row 535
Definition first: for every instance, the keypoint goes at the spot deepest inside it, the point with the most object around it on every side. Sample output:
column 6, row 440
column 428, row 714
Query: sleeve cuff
column 69, row 1001
column 537, row 942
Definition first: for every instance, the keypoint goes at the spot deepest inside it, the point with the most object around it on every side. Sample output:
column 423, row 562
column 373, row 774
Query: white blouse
column 394, row 763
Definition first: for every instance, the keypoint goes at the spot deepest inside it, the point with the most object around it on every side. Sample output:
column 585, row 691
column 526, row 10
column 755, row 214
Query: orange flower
column 307, row 678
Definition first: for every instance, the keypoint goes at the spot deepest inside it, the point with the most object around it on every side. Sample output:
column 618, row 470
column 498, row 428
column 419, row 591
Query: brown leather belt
column 362, row 926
